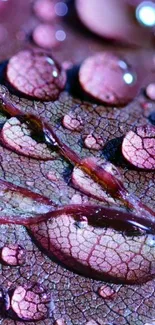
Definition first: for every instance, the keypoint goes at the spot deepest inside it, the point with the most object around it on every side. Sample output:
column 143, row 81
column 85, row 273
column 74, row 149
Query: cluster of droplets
column 49, row 33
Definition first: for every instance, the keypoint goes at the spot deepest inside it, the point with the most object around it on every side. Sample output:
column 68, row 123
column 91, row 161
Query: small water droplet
column 76, row 199
column 73, row 123
column 13, row 255
column 93, row 142
column 43, row 65
column 106, row 292
column 52, row 176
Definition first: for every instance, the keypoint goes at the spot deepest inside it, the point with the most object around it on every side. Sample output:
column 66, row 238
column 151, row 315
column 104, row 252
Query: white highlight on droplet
column 122, row 64
column 55, row 74
column 128, row 78
column 145, row 13
column 60, row 35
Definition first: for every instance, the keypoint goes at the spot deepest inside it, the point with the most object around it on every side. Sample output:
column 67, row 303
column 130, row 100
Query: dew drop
column 36, row 299
column 76, row 199
column 106, row 292
column 93, row 142
column 13, row 255
column 138, row 147
column 44, row 35
column 31, row 82
column 52, row 176
column 107, row 78
column 45, row 10
column 71, row 122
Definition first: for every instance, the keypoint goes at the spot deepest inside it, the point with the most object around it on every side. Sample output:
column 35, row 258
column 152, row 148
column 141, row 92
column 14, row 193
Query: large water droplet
column 31, row 82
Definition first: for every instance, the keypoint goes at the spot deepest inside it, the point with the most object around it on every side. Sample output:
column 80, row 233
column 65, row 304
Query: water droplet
column 13, row 255
column 93, row 142
column 152, row 118
column 45, row 10
column 36, row 299
column 32, row 81
column 139, row 147
column 44, row 35
column 52, row 176
column 76, row 199
column 150, row 91
column 106, row 292
column 61, row 9
column 72, row 122
column 106, row 77
column 145, row 13
column 60, row 35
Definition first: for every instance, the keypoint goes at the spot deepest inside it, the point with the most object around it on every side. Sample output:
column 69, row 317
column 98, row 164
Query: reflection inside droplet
column 61, row 9
column 145, row 13
column 129, row 78
column 49, row 60
column 122, row 64
column 60, row 35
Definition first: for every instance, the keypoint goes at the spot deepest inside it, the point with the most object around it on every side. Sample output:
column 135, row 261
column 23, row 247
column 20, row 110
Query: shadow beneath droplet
column 113, row 153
